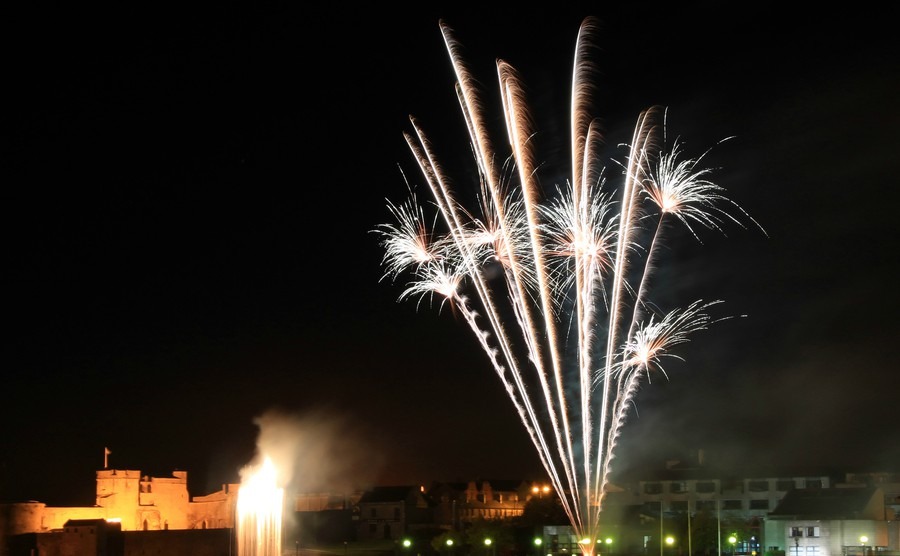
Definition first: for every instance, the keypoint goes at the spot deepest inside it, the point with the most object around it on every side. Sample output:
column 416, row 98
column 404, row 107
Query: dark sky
column 188, row 206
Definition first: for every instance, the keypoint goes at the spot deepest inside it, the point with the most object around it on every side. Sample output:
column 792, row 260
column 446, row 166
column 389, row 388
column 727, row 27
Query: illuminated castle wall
column 138, row 503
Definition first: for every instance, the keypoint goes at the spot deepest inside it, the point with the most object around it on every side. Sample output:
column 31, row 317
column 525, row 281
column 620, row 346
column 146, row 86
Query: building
column 831, row 522
column 457, row 504
column 803, row 515
column 124, row 497
column 390, row 512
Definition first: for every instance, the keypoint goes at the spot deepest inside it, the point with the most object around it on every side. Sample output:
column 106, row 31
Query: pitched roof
column 507, row 485
column 824, row 503
column 384, row 494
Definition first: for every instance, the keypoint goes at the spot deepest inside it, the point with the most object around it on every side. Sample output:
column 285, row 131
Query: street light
column 863, row 540
column 608, row 542
column 670, row 540
column 537, row 545
column 487, row 546
column 540, row 490
column 732, row 540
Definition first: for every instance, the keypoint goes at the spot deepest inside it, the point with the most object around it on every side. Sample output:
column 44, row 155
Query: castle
column 135, row 502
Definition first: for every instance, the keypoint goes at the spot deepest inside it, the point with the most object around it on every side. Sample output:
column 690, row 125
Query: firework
column 556, row 290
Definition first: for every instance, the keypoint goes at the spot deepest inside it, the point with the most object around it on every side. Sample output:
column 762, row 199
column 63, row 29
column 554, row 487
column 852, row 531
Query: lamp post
column 690, row 548
column 732, row 540
column 670, row 541
column 660, row 529
column 608, row 543
column 487, row 546
column 540, row 491
column 862, row 541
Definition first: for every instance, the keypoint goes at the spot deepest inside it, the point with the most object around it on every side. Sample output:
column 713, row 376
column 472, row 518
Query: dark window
column 731, row 505
column 679, row 505
column 677, row 487
column 813, row 483
column 706, row 486
column 796, row 532
column 372, row 512
column 396, row 513
column 812, row 531
column 784, row 484
column 652, row 488
column 758, row 486
column 759, row 504
column 706, row 505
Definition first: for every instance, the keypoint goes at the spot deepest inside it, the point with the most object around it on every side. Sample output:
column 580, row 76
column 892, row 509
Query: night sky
column 188, row 206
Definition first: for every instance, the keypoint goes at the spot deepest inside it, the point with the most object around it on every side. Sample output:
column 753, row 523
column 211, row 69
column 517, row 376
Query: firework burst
column 556, row 289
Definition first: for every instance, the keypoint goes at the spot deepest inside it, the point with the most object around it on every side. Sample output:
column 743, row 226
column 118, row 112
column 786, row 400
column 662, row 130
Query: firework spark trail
column 519, row 132
column 447, row 206
column 566, row 262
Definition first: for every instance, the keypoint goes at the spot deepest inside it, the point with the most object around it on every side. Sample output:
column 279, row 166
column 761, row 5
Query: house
column 390, row 512
column 457, row 504
column 830, row 522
